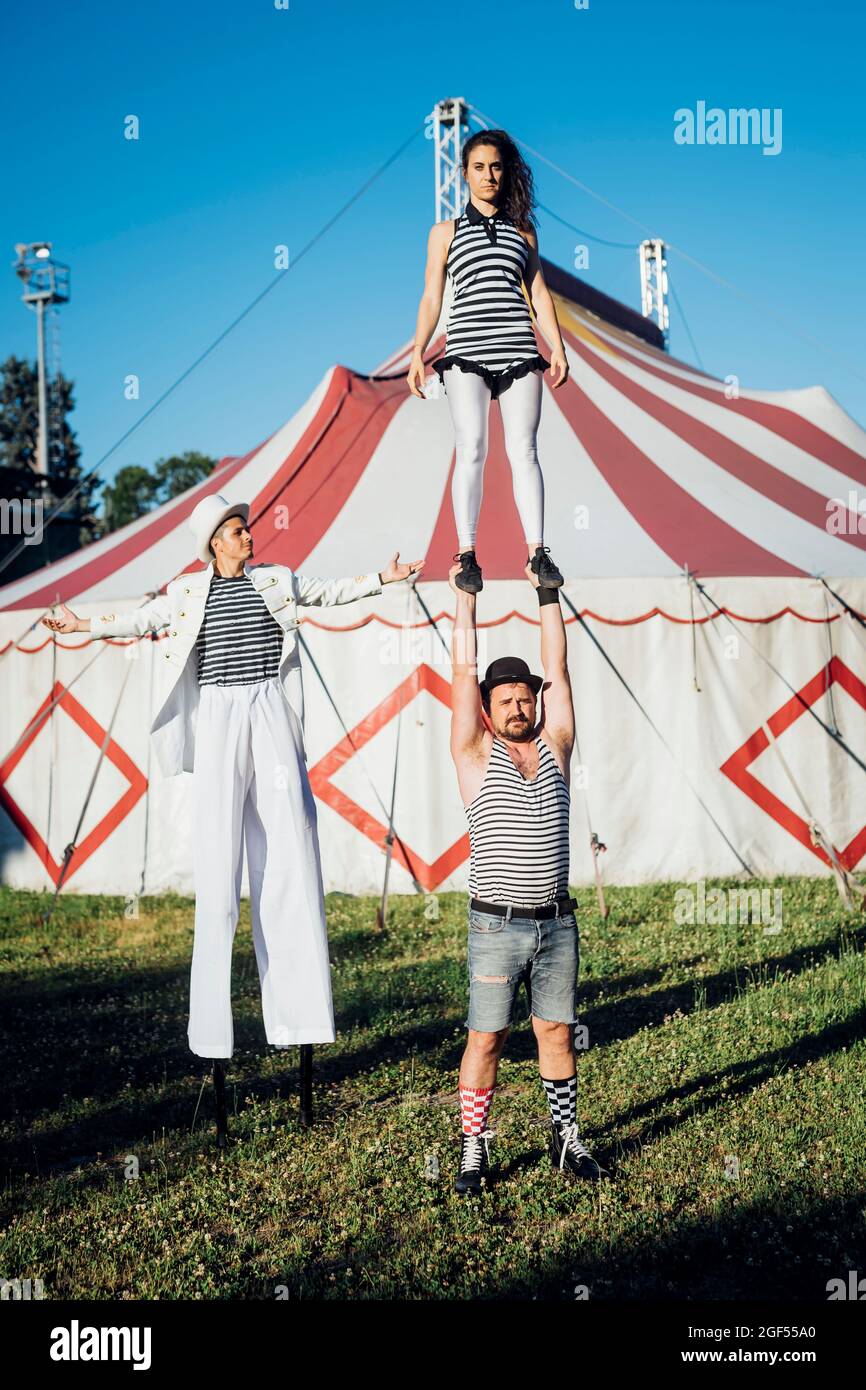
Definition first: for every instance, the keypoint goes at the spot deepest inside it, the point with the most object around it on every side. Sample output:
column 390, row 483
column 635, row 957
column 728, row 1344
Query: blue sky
column 257, row 124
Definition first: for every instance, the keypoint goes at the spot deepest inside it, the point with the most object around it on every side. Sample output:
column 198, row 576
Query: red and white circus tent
column 651, row 469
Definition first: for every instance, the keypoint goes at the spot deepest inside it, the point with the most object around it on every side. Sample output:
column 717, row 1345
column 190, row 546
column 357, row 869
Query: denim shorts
column 542, row 953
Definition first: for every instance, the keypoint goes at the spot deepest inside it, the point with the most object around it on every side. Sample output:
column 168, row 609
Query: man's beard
column 518, row 732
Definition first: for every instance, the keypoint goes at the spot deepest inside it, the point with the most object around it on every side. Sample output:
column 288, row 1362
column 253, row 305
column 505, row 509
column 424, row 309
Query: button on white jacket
column 181, row 610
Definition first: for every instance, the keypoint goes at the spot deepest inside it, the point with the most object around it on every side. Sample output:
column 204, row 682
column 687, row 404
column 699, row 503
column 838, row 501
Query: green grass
column 705, row 1041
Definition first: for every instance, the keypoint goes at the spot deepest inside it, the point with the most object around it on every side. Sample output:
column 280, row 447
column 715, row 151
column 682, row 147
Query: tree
column 19, row 433
column 182, row 471
column 19, row 415
column 130, row 495
column 136, row 490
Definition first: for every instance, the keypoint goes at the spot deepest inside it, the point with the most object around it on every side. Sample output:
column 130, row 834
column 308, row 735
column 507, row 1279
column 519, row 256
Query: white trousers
column 468, row 397
column 250, row 785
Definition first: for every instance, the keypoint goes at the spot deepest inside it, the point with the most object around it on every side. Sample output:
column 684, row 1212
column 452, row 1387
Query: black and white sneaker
column 570, row 1156
column 541, row 564
column 469, row 577
column 474, row 1162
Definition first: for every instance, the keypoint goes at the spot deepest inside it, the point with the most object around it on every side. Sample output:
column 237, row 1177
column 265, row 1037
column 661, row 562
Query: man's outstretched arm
column 149, row 618
column 558, row 701
column 467, row 724
column 326, row 592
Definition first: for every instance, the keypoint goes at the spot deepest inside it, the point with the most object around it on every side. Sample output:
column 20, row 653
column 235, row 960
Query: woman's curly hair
column 518, row 188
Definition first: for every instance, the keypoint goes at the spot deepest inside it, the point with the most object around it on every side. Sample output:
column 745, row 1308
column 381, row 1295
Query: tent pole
column 694, row 633
column 305, row 1077
column 52, row 737
column 381, row 915
column 829, row 631
column 595, row 845
column 389, row 838
column 219, row 1086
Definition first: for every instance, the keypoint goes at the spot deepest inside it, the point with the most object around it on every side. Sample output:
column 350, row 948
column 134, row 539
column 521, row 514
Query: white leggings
column 520, row 404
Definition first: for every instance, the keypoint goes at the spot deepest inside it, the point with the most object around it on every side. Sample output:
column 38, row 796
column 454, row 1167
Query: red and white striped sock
column 475, row 1107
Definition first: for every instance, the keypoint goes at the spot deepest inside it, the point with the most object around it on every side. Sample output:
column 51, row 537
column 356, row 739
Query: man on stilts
column 233, row 716
column 513, row 774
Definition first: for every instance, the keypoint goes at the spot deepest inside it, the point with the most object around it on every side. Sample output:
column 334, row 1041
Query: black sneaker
column 569, row 1155
column 541, row 564
column 474, row 1162
column 469, row 577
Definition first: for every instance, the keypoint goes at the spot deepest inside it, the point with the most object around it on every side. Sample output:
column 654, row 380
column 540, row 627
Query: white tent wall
column 643, row 799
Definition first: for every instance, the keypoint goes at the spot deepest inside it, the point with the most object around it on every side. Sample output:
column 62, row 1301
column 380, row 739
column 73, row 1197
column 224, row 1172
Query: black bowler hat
column 504, row 671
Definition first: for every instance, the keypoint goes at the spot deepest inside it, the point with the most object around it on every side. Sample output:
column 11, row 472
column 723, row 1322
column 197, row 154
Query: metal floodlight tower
column 46, row 282
column 450, row 129
column 654, row 284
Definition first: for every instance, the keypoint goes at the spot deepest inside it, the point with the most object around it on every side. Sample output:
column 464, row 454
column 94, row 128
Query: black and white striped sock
column 562, row 1099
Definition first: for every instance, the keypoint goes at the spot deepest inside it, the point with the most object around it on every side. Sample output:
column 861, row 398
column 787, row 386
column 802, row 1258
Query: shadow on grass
column 703, row 1093
column 743, row 1253
column 119, row 1045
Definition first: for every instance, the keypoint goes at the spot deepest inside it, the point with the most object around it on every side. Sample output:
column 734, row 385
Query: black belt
column 555, row 909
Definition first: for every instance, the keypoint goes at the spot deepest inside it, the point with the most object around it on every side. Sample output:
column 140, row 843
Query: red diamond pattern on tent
column 737, row 765
column 429, row 875
column 112, row 818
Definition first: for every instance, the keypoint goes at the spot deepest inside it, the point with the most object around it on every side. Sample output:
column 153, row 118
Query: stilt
column 306, row 1084
column 219, row 1086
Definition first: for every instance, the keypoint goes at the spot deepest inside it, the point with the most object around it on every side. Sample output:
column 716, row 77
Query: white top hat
column 207, row 516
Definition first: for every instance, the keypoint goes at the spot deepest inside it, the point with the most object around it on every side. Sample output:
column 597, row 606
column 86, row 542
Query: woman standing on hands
column 490, row 252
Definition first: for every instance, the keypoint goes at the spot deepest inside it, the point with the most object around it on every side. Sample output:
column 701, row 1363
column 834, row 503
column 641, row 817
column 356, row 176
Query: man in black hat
column 513, row 774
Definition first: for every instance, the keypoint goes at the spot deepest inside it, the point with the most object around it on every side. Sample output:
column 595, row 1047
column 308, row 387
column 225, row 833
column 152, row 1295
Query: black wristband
column 547, row 596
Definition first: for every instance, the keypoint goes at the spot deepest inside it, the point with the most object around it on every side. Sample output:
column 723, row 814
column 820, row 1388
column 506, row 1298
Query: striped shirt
column 489, row 322
column 518, row 832
column 239, row 641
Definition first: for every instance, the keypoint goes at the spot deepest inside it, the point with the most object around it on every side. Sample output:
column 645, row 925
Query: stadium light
column 45, row 282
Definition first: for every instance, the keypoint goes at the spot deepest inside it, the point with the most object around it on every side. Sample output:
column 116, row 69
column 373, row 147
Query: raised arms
column 557, row 695
column 469, row 734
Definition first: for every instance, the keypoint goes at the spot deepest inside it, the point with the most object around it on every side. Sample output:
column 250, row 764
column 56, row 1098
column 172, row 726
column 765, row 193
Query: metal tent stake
column 219, row 1086
column 306, row 1084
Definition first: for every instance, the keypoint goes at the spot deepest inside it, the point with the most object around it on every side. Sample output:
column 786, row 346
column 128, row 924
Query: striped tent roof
column 649, row 465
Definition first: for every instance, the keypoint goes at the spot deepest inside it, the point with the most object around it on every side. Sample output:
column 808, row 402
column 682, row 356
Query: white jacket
column 181, row 610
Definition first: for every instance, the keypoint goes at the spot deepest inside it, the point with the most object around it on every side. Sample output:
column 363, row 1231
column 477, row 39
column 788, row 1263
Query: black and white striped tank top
column 489, row 323
column 239, row 640
column 518, row 832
